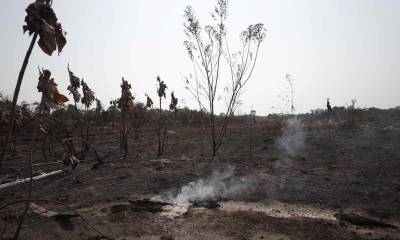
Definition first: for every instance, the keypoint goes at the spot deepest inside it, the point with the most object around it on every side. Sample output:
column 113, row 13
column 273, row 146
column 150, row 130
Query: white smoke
column 221, row 184
column 292, row 140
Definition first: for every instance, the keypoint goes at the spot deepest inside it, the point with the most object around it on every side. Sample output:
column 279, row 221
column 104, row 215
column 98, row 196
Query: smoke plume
column 292, row 140
column 221, row 184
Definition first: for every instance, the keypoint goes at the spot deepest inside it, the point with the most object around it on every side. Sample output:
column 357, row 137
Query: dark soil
column 355, row 171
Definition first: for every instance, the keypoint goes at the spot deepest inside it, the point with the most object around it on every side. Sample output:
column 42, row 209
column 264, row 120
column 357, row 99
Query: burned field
column 74, row 167
column 341, row 183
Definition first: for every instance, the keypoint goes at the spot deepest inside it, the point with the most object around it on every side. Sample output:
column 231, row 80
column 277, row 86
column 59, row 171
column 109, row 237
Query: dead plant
column 50, row 98
column 205, row 49
column 40, row 21
column 161, row 90
column 87, row 100
column 125, row 104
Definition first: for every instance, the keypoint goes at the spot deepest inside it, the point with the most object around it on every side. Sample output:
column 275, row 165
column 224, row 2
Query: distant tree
column 161, row 91
column 87, row 100
column 174, row 103
column 328, row 106
column 88, row 95
column 289, row 79
column 125, row 105
column 99, row 109
column 162, row 120
column 73, row 88
column 149, row 102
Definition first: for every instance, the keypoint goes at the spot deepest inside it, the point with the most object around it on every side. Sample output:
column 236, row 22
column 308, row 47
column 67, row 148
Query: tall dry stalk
column 87, row 100
column 161, row 91
column 73, row 87
column 15, row 98
column 125, row 104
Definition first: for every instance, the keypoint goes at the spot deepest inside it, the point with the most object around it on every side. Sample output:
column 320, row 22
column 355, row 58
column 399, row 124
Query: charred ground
column 323, row 190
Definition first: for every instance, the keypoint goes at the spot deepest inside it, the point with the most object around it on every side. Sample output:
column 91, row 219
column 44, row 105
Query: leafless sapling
column 205, row 49
column 289, row 78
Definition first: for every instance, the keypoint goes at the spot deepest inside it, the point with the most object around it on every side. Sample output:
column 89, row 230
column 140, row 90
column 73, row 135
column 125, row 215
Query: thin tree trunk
column 159, row 132
column 212, row 118
column 15, row 98
column 125, row 134
column 120, row 133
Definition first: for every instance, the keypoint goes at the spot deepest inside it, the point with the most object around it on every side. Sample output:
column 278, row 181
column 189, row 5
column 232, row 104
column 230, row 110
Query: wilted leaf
column 161, row 87
column 149, row 102
column 99, row 107
column 57, row 97
column 88, row 95
column 60, row 99
column 75, row 84
column 174, row 102
column 42, row 20
column 125, row 102
column 50, row 94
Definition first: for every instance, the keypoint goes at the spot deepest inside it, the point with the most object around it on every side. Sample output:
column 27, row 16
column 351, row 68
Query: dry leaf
column 149, row 102
column 75, row 84
column 174, row 102
column 48, row 88
column 41, row 19
column 88, row 95
column 125, row 103
column 161, row 87
column 57, row 97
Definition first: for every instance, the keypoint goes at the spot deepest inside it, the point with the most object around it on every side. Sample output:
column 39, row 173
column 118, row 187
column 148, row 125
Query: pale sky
column 341, row 49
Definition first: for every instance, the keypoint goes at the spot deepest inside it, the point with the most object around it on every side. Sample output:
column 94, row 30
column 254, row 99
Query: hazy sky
column 341, row 49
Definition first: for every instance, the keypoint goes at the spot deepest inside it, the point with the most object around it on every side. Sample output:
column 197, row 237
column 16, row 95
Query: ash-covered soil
column 325, row 188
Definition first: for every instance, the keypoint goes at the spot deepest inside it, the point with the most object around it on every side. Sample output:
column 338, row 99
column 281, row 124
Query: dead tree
column 87, row 100
column 73, row 87
column 289, row 79
column 99, row 110
column 205, row 49
column 161, row 121
column 125, row 104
